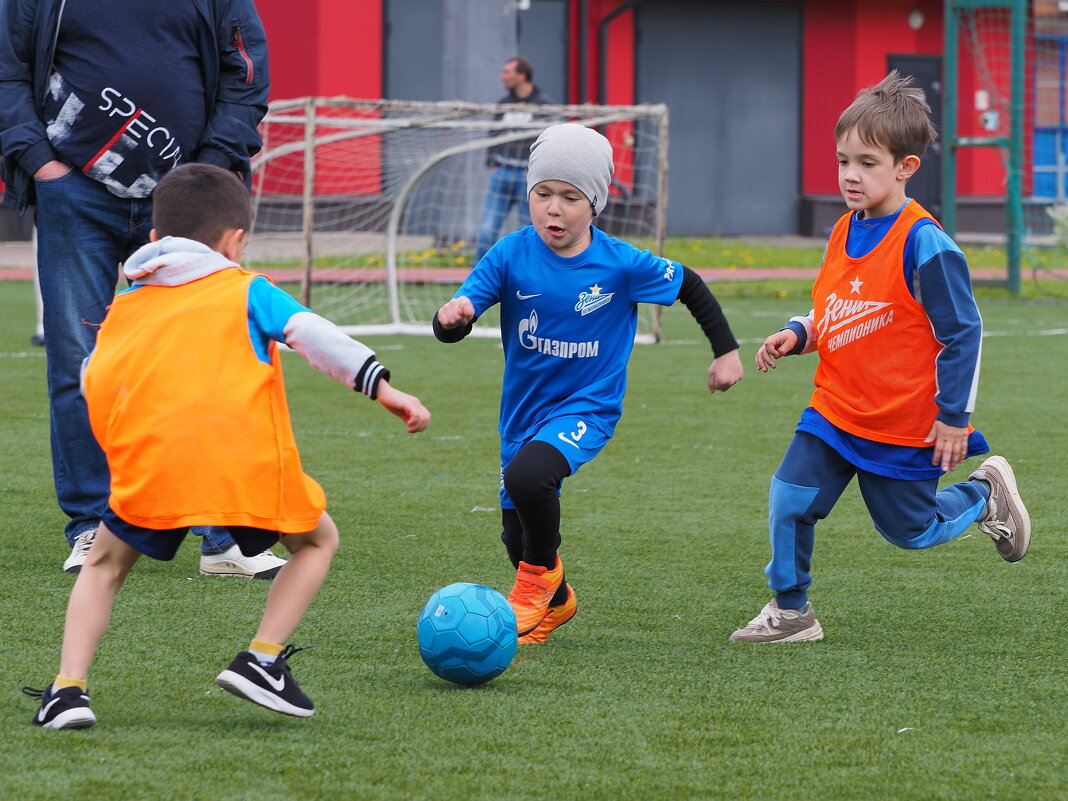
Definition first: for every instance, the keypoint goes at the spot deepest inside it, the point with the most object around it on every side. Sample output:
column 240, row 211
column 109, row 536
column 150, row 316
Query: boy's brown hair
column 892, row 114
column 200, row 202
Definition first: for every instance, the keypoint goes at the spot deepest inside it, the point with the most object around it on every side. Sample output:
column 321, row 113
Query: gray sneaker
column 781, row 625
column 1005, row 518
column 82, row 543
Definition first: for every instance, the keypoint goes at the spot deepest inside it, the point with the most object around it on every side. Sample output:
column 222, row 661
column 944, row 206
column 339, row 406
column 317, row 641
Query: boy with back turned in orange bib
column 899, row 339
column 187, row 399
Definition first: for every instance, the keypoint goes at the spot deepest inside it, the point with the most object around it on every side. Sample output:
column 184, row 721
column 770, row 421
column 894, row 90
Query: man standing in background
column 97, row 102
column 508, row 182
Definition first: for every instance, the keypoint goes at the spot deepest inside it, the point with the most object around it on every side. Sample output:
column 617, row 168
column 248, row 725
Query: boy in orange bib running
column 899, row 339
column 187, row 400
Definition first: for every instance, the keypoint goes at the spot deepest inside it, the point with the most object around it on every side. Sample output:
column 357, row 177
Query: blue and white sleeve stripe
column 944, row 288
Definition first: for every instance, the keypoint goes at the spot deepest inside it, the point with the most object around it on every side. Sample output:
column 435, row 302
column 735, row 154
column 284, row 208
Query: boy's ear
column 231, row 244
column 908, row 167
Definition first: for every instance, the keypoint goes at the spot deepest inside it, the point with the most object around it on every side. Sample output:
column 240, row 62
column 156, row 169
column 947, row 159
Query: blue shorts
column 577, row 438
column 163, row 543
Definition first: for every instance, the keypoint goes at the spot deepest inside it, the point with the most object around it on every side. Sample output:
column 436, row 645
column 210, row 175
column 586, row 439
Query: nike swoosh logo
column 564, row 438
column 42, row 713
column 278, row 684
column 521, row 296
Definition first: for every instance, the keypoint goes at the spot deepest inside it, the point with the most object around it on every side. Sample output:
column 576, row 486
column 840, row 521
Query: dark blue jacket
column 233, row 50
column 516, row 154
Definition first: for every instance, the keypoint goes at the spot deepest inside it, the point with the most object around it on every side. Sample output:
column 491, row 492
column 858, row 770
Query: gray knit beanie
column 577, row 155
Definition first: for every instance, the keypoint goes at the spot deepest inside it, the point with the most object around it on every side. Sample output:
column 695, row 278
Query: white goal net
column 369, row 210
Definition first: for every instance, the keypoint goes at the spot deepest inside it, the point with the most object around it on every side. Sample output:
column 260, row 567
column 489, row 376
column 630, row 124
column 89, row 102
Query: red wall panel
column 846, row 44
column 325, row 48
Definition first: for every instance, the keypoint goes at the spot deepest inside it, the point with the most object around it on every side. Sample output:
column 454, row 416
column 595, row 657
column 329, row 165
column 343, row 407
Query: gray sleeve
column 329, row 350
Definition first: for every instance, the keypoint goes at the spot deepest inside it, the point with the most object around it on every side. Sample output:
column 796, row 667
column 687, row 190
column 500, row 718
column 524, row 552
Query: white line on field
column 1044, row 332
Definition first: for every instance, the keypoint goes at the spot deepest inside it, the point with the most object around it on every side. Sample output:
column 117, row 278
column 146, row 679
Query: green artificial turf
column 942, row 675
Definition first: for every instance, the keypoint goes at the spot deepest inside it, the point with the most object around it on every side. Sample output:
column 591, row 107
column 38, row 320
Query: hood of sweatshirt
column 173, row 261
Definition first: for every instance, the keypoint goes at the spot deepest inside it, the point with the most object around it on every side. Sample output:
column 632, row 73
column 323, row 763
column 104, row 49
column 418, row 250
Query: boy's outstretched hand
column 950, row 445
column 458, row 311
column 407, row 407
column 775, row 347
column 725, row 371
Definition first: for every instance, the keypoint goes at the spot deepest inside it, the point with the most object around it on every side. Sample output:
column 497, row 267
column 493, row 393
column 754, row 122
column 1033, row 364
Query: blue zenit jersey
column 567, row 324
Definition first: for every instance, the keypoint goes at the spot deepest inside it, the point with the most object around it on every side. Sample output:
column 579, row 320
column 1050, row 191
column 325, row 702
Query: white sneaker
column 234, row 563
column 82, row 543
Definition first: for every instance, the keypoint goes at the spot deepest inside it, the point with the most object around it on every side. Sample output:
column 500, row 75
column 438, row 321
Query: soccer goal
column 1006, row 76
column 370, row 209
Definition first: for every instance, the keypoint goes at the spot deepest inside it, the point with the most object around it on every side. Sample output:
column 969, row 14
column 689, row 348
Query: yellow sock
column 62, row 682
column 265, row 651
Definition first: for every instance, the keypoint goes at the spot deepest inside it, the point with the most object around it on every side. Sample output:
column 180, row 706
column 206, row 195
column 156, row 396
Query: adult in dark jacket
column 97, row 102
column 508, row 181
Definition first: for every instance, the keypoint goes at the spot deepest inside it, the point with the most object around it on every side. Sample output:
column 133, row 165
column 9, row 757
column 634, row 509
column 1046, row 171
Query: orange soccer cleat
column 557, row 616
column 535, row 586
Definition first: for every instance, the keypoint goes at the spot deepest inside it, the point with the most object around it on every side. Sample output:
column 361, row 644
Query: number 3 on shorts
column 576, row 435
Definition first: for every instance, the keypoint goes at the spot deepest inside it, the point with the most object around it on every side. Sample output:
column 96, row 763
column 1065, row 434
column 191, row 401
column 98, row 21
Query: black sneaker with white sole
column 272, row 686
column 62, row 709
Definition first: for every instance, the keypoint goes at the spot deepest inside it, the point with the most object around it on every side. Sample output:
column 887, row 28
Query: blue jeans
column 507, row 187
column 83, row 234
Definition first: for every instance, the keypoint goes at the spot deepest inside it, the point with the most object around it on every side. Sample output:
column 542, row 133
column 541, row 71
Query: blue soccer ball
column 467, row 633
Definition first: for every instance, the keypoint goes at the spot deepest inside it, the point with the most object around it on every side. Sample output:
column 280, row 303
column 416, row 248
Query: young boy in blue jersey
column 899, row 339
column 568, row 296
column 187, row 400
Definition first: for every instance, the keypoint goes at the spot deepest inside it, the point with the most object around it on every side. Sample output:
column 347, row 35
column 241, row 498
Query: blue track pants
column 810, row 480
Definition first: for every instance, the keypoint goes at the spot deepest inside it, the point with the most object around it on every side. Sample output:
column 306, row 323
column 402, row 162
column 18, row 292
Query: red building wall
column 845, row 48
column 846, row 44
column 335, row 48
column 618, row 79
column 324, row 47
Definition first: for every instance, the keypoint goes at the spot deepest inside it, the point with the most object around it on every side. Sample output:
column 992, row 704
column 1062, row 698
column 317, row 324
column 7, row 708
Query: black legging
column 532, row 530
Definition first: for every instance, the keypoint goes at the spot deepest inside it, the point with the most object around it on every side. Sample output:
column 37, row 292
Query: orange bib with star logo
column 876, row 377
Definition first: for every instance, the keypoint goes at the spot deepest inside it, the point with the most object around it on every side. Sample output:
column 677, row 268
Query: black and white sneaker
column 272, row 686
column 62, row 709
